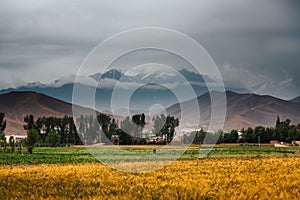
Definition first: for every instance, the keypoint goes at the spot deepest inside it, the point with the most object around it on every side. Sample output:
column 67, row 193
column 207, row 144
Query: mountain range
column 151, row 86
column 243, row 110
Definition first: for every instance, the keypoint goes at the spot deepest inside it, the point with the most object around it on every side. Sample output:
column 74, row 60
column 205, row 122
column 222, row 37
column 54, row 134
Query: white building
column 17, row 138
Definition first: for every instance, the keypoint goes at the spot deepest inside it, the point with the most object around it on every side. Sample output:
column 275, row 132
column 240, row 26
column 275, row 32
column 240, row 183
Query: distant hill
column 16, row 105
column 244, row 110
column 296, row 100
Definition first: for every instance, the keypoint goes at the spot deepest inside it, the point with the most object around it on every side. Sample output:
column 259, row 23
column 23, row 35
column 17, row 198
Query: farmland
column 268, row 178
column 228, row 172
column 50, row 155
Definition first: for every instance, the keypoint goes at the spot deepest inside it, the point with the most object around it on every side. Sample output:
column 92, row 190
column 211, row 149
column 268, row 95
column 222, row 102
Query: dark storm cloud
column 255, row 43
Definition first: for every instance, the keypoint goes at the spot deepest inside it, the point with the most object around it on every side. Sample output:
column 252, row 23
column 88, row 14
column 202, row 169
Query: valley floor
column 229, row 172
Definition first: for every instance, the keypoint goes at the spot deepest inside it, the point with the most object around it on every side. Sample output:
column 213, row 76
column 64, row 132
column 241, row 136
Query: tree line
column 56, row 131
column 129, row 131
column 282, row 132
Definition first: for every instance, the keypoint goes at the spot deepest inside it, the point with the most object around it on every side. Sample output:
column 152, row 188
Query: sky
column 255, row 44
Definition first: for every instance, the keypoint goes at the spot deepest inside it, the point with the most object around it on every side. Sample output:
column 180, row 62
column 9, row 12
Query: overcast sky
column 256, row 44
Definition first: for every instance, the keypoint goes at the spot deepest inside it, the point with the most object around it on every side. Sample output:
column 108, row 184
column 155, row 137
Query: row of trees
column 127, row 132
column 53, row 131
column 98, row 130
column 283, row 132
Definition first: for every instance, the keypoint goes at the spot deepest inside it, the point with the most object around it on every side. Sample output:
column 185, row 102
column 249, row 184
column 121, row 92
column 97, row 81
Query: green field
column 51, row 155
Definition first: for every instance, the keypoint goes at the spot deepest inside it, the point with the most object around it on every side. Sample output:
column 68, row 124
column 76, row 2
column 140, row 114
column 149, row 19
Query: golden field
column 261, row 178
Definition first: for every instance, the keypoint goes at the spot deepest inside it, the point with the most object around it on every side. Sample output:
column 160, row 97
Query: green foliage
column 139, row 121
column 2, row 122
column 113, row 127
column 202, row 137
column 2, row 142
column 105, row 121
column 125, row 139
column 89, row 130
column 29, row 120
column 283, row 132
column 32, row 138
column 65, row 127
column 81, row 154
column 97, row 130
column 231, row 137
column 12, row 144
column 53, row 139
column 128, row 128
column 165, row 126
column 159, row 122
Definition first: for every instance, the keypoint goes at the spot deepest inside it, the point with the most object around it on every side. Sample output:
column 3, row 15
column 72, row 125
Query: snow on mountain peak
column 154, row 71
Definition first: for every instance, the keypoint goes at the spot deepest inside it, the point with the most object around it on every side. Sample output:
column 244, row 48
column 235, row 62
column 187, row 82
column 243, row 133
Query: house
column 17, row 138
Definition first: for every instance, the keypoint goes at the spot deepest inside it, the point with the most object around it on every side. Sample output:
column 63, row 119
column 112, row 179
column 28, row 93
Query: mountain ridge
column 243, row 110
column 63, row 88
column 16, row 105
column 296, row 99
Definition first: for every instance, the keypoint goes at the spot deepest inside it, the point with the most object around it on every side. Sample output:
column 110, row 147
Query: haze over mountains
column 152, row 86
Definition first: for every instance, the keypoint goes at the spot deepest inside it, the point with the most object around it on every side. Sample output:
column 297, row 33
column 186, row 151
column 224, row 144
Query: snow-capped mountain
column 151, row 86
column 111, row 74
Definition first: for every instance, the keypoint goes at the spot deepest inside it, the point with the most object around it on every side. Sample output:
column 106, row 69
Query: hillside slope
column 16, row 105
column 244, row 110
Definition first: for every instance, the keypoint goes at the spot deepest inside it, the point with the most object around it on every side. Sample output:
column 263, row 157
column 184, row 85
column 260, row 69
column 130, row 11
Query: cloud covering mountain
column 148, row 87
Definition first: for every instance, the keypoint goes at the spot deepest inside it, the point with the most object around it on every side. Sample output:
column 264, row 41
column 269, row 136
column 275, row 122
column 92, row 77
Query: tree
column 171, row 124
column 89, row 129
column 139, row 120
column 104, row 121
column 165, row 126
column 12, row 144
column 113, row 127
column 282, row 129
column 32, row 138
column 293, row 134
column 3, row 141
column 249, row 136
column 2, row 134
column 262, row 133
column 53, row 139
column 128, row 128
column 2, row 123
column 29, row 120
column 231, row 137
column 159, row 122
column 124, row 138
column 196, row 137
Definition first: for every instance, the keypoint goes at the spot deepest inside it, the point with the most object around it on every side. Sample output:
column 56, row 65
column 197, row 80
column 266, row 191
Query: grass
column 47, row 155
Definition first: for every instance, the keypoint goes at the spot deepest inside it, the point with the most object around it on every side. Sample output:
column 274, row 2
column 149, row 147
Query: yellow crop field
column 261, row 178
